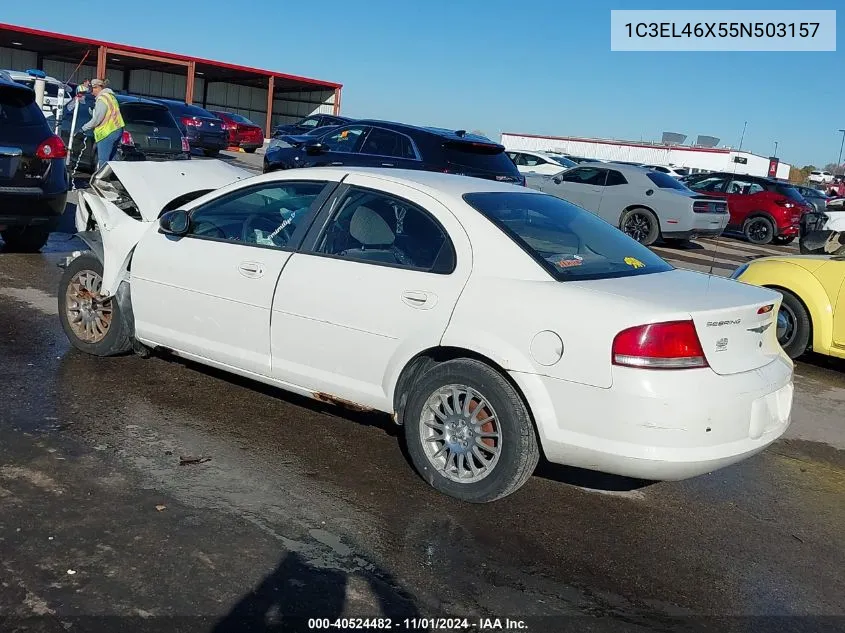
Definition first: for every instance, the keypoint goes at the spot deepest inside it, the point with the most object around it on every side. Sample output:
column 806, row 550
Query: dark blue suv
column 396, row 145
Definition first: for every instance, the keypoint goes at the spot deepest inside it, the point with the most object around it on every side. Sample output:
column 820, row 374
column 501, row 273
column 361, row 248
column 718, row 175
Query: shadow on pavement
column 296, row 592
column 591, row 479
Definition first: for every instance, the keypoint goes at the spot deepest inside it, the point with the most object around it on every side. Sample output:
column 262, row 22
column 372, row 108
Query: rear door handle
column 252, row 270
column 336, row 163
column 388, row 165
column 419, row 299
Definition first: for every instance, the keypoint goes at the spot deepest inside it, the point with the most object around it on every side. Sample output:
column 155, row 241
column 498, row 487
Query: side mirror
column 174, row 222
column 557, row 180
column 315, row 148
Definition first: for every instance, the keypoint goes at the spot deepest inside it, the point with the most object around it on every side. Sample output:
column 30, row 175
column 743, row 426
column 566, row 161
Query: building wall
column 292, row 106
column 690, row 158
column 16, row 59
column 154, row 83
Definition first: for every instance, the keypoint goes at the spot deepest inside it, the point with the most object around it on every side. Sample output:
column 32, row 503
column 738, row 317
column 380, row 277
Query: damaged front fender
column 114, row 241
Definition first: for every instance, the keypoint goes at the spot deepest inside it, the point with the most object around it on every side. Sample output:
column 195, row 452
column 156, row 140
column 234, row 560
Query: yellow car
column 812, row 315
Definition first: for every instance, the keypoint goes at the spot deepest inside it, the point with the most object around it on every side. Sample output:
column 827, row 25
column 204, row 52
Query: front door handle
column 252, row 270
column 336, row 164
column 419, row 299
column 388, row 165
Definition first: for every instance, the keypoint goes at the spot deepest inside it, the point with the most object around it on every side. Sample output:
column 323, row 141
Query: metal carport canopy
column 73, row 49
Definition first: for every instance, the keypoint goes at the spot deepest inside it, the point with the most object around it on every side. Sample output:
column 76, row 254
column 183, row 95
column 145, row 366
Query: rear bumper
column 26, row 210
column 661, row 425
column 692, row 234
column 249, row 145
column 215, row 142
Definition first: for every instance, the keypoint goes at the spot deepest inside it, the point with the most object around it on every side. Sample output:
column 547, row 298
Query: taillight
column 702, row 206
column 192, row 122
column 669, row 345
column 126, row 138
column 524, row 182
column 186, row 147
column 53, row 147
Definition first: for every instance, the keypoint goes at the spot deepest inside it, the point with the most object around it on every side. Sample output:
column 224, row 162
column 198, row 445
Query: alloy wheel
column 88, row 315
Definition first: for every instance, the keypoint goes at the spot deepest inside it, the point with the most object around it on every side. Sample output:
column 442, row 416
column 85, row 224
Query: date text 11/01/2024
column 419, row 624
column 722, row 29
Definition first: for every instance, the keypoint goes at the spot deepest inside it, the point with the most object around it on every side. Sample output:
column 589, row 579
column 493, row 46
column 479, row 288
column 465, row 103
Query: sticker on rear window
column 633, row 262
column 569, row 261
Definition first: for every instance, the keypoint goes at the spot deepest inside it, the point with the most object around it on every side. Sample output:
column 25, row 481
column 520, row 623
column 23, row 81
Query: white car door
column 208, row 293
column 374, row 284
column 580, row 185
column 617, row 195
column 531, row 164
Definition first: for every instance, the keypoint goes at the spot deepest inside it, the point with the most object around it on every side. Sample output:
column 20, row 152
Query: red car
column 242, row 132
column 764, row 210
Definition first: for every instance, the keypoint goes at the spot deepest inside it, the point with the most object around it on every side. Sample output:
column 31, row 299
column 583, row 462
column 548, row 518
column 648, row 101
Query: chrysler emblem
column 760, row 329
column 155, row 129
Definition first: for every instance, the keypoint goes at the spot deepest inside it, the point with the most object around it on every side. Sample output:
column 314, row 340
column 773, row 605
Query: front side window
column 345, row 140
column 310, row 122
column 585, row 176
column 531, row 161
column 570, row 243
column 380, row 229
column 265, row 215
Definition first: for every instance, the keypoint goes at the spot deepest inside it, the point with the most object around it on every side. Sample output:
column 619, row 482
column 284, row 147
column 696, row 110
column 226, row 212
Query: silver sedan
column 644, row 203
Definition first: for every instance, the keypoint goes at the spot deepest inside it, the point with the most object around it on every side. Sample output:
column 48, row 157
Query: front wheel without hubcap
column 793, row 325
column 468, row 432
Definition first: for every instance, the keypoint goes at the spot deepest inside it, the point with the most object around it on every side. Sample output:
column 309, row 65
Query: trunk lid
column 152, row 128
column 735, row 322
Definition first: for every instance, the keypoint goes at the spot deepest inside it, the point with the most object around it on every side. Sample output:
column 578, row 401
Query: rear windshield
column 147, row 115
column 681, row 171
column 18, row 107
column 570, row 243
column 237, row 118
column 563, row 161
column 489, row 158
column 665, row 181
column 192, row 110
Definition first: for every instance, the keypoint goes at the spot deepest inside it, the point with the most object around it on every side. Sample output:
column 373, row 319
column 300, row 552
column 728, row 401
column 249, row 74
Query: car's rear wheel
column 251, row 150
column 759, row 230
column 468, row 432
column 25, row 239
column 793, row 325
column 91, row 323
column 641, row 224
column 783, row 240
column 212, row 152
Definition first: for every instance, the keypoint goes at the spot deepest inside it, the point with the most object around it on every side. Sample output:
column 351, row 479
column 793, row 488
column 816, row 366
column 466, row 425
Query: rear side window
column 381, row 142
column 147, row 115
column 615, row 178
column 479, row 156
column 790, row 192
column 665, row 181
column 18, row 107
column 570, row 243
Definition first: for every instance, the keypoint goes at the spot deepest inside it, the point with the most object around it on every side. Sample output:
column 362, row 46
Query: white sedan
column 490, row 320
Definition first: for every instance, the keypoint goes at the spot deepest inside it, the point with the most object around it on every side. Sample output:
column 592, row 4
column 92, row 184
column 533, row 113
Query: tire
column 759, row 230
column 251, row 150
column 25, row 239
column 111, row 340
column 513, row 452
column 794, row 325
column 782, row 240
column 211, row 153
column 640, row 224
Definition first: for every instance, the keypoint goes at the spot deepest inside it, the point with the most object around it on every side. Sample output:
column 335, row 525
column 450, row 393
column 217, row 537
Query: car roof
column 126, row 99
column 452, row 184
column 436, row 131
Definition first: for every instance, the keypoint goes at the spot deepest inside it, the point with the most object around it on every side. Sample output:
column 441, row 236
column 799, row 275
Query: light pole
column 839, row 161
column 776, row 150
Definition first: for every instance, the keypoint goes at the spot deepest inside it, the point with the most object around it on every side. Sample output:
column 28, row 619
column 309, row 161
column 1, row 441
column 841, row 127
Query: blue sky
column 542, row 67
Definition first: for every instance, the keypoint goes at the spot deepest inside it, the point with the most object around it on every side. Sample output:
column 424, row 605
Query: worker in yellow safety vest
column 106, row 122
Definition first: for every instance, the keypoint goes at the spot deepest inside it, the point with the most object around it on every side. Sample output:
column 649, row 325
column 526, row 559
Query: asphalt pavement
column 156, row 494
